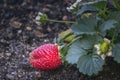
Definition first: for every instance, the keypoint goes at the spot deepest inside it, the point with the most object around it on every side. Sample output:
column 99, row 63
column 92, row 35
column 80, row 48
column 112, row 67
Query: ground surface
column 19, row 35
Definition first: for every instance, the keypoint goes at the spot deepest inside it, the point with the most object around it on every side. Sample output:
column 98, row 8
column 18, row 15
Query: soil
column 19, row 35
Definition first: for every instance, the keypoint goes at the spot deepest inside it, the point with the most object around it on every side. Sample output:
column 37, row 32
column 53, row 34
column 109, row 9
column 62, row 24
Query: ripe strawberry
column 45, row 57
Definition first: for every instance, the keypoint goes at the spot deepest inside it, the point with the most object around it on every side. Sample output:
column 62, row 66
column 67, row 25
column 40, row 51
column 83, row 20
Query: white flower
column 38, row 18
column 74, row 5
column 103, row 55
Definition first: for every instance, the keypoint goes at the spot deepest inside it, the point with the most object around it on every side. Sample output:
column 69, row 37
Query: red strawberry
column 45, row 57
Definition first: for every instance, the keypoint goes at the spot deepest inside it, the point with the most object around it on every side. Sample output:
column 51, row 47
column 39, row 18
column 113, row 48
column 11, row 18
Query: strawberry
column 46, row 57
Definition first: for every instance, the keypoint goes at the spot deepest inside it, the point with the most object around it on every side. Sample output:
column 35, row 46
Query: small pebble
column 28, row 28
column 46, row 9
column 10, row 76
column 16, row 24
column 8, row 54
column 65, row 17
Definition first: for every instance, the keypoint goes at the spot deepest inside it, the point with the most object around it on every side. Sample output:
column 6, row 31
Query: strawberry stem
column 60, row 21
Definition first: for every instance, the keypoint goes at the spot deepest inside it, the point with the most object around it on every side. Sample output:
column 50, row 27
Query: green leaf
column 91, row 7
column 90, row 64
column 79, row 47
column 116, row 16
column 100, row 4
column 83, row 53
column 116, row 52
column 75, row 52
column 85, row 25
column 86, row 8
column 107, row 26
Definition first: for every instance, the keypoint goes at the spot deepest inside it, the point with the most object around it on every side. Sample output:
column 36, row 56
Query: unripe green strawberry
column 104, row 47
column 64, row 33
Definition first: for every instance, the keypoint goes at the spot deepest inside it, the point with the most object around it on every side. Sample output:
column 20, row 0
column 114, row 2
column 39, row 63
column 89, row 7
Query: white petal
column 98, row 52
column 78, row 0
column 73, row 6
column 37, row 22
column 37, row 18
column 70, row 8
column 40, row 13
column 109, row 53
column 103, row 56
column 97, row 46
column 107, row 40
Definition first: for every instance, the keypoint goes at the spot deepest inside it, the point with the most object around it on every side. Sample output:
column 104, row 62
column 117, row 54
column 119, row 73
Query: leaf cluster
column 95, row 22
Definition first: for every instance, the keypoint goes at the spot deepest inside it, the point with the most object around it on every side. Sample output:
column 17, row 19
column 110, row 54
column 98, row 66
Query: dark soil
column 19, row 35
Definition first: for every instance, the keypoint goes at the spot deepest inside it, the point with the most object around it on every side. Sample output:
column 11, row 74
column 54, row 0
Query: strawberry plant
column 94, row 35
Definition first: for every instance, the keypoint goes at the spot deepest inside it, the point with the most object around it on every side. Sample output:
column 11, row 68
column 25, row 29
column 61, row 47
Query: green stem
column 102, row 12
column 113, row 38
column 98, row 33
column 60, row 21
column 73, row 41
